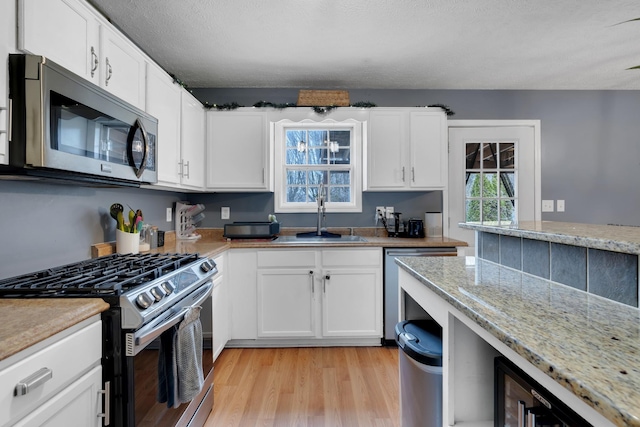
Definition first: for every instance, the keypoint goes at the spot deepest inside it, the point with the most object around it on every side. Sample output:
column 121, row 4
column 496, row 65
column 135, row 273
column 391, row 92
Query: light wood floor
column 306, row 387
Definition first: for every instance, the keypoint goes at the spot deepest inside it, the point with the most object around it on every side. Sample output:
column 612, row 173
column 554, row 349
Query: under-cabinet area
column 558, row 336
column 306, row 296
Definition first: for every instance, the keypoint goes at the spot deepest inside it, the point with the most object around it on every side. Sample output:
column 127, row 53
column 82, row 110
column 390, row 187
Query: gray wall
column 590, row 139
column 590, row 158
column 46, row 225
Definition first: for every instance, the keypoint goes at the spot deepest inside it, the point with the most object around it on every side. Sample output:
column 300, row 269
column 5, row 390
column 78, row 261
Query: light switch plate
column 547, row 206
column 225, row 212
column 560, row 205
column 169, row 215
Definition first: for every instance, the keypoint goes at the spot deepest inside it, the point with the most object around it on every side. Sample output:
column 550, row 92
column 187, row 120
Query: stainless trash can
column 420, row 360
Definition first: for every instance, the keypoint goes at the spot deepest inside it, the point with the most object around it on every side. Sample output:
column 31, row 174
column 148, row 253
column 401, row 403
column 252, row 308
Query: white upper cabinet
column 192, row 146
column 406, row 150
column 65, row 31
column 73, row 35
column 122, row 67
column 238, row 151
column 163, row 103
column 7, row 46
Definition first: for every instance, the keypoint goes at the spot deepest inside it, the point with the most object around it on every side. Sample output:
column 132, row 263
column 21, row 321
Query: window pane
column 490, row 210
column 490, row 185
column 507, row 211
column 473, row 185
column 489, row 154
column 296, row 177
column 340, row 177
column 295, row 157
column 317, row 177
column 296, row 194
column 318, row 156
column 295, row 136
column 341, row 157
column 339, row 194
column 317, row 138
column 342, row 137
column 507, row 155
column 507, row 184
column 473, row 156
column 473, row 211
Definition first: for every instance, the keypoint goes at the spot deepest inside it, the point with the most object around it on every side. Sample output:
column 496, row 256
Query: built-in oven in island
column 522, row 402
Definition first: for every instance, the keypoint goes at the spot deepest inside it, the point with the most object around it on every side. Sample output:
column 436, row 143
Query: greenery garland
column 448, row 111
column 262, row 104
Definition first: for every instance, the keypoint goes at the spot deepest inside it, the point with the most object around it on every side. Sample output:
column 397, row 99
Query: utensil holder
column 127, row 243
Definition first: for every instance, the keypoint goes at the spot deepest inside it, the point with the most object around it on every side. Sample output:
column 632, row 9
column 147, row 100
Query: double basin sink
column 323, row 237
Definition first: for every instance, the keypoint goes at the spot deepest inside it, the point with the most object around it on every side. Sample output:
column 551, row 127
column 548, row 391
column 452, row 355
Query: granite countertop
column 587, row 344
column 616, row 238
column 213, row 242
column 25, row 322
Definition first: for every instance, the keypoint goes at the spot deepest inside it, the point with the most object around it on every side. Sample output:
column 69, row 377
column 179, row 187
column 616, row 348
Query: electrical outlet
column 169, row 214
column 547, row 206
column 225, row 212
column 560, row 205
column 389, row 210
column 379, row 212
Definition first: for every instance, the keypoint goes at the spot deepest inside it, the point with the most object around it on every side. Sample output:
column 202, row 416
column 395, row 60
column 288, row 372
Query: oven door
column 521, row 402
column 141, row 406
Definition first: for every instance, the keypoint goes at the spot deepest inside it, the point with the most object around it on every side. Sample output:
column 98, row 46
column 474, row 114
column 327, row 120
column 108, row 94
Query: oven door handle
column 153, row 331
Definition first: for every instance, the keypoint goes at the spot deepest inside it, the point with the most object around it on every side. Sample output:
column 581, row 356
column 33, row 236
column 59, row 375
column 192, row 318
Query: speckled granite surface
column 587, row 344
column 606, row 237
column 25, row 322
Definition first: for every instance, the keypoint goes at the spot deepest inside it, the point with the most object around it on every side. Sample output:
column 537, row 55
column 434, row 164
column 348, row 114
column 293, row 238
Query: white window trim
column 278, row 138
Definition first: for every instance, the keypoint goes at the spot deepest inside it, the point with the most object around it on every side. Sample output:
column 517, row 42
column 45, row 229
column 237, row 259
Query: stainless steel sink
column 319, row 239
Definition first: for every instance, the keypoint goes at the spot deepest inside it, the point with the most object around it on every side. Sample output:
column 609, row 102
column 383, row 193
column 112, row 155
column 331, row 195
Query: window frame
column 358, row 134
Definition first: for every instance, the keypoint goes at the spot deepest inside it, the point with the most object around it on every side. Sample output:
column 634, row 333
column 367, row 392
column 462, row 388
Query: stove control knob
column 207, row 265
column 157, row 293
column 143, row 300
column 167, row 287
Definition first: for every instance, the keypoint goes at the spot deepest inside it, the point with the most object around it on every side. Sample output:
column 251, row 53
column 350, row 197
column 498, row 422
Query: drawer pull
column 33, row 381
column 107, row 403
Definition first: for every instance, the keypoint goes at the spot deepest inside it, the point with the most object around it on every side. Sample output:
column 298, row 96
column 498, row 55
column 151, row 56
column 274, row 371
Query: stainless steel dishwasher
column 391, row 315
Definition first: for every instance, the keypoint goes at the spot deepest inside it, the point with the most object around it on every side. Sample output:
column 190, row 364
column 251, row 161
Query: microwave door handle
column 521, row 413
column 145, row 147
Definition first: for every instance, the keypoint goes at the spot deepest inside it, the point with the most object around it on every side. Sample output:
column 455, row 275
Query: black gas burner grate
column 110, row 275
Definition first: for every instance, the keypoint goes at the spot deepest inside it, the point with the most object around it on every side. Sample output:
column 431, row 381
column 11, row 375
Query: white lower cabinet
column 69, row 393
column 319, row 293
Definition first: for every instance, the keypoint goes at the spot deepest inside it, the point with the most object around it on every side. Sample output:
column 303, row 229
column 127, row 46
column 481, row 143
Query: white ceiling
column 391, row 44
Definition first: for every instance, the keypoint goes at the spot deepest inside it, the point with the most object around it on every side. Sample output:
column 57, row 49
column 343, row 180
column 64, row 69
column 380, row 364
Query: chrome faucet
column 321, row 209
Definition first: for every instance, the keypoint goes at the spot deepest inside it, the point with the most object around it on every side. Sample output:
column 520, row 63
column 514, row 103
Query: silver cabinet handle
column 33, row 381
column 403, row 174
column 313, row 288
column 94, row 61
column 107, row 403
column 109, row 72
column 324, row 283
column 413, row 174
column 186, row 166
column 521, row 414
column 180, row 167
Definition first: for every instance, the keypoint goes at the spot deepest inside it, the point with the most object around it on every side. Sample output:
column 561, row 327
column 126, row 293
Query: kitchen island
column 584, row 348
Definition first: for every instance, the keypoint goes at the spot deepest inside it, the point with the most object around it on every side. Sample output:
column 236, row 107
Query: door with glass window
column 493, row 176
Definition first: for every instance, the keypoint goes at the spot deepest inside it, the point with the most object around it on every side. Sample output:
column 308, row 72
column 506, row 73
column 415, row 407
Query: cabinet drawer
column 286, row 258
column 67, row 359
column 352, row 257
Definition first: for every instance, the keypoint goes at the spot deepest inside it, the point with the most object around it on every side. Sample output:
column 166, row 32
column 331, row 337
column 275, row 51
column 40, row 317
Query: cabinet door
column 192, row 141
column 352, row 303
column 237, row 151
column 7, row 45
column 64, row 31
column 428, row 150
column 76, row 405
column 241, row 276
column 122, row 67
column 386, row 151
column 220, row 329
column 286, row 303
column 163, row 103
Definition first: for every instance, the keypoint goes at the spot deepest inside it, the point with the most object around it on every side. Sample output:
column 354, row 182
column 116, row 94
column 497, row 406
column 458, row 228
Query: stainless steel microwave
column 64, row 127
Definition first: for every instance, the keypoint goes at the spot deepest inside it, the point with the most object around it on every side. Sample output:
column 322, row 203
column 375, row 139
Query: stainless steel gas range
column 148, row 294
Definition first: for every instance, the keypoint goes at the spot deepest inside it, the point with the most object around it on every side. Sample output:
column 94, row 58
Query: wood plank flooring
column 306, row 387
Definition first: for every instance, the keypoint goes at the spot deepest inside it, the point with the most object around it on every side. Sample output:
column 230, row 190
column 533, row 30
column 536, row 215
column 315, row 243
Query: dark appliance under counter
column 149, row 296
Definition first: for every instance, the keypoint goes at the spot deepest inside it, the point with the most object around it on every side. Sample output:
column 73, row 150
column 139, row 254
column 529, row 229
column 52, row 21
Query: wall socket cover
column 169, row 217
column 547, row 206
column 225, row 212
